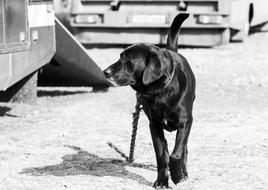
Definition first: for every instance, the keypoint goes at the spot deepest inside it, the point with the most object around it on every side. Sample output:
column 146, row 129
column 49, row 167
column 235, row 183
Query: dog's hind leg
column 178, row 158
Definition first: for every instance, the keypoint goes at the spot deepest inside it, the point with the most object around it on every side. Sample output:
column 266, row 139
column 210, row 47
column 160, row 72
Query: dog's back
column 173, row 33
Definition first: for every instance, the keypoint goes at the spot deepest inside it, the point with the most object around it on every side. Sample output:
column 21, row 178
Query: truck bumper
column 188, row 36
column 122, row 28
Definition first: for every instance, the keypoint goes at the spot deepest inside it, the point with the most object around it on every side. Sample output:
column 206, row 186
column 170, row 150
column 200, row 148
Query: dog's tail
column 173, row 33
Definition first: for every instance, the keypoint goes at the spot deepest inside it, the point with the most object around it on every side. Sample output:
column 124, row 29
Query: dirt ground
column 61, row 143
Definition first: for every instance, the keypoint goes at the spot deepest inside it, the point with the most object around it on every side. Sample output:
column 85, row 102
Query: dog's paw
column 162, row 180
column 178, row 171
column 159, row 184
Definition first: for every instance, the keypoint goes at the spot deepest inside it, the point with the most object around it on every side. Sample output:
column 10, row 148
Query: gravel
column 62, row 142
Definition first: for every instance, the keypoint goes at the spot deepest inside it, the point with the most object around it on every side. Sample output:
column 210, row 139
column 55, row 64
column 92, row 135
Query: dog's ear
column 153, row 70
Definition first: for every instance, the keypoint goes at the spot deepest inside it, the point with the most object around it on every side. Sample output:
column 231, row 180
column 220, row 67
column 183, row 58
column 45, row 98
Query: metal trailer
column 28, row 41
column 212, row 22
column 71, row 65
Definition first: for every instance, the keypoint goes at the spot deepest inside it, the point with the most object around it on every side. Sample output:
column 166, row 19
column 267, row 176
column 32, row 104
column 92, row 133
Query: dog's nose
column 107, row 72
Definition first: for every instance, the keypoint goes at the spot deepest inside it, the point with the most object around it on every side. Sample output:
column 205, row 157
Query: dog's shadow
column 85, row 163
column 4, row 111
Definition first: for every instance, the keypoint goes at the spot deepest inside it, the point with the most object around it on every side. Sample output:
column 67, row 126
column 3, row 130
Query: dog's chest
column 165, row 114
column 169, row 121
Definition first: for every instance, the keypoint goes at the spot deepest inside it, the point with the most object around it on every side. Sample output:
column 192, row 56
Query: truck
column 30, row 37
column 27, row 42
column 211, row 22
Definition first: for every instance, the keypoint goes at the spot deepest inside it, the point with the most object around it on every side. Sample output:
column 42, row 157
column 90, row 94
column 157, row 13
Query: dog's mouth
column 112, row 82
column 115, row 83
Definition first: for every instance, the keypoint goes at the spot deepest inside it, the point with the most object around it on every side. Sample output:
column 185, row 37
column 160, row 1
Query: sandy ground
column 61, row 143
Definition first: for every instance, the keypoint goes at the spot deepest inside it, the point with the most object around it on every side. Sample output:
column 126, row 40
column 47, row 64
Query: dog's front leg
column 178, row 158
column 162, row 155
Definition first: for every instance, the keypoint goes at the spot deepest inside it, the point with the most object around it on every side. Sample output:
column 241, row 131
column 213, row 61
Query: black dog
column 167, row 87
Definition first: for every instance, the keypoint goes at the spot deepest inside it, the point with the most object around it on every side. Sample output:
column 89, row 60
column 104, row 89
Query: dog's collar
column 168, row 81
column 171, row 76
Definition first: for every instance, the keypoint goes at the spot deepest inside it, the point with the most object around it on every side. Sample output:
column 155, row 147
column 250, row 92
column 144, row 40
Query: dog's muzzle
column 116, row 81
column 108, row 74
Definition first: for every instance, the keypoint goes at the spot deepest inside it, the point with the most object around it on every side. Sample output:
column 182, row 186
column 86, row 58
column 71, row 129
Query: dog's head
column 139, row 64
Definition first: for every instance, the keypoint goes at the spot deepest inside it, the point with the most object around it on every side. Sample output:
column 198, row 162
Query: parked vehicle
column 212, row 22
column 27, row 38
column 28, row 41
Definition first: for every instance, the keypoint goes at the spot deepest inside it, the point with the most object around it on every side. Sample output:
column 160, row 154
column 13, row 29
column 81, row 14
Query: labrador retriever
column 166, row 84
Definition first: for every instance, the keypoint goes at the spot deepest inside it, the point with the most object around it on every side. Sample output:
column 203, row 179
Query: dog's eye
column 122, row 58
